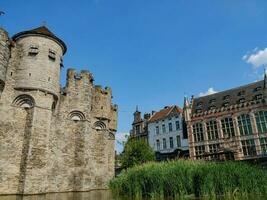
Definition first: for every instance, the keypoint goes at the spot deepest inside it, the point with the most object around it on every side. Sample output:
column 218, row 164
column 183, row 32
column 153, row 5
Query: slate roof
column 230, row 97
column 165, row 113
column 42, row 30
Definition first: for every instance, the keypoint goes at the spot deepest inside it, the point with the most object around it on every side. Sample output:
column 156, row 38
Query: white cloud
column 257, row 59
column 122, row 137
column 210, row 91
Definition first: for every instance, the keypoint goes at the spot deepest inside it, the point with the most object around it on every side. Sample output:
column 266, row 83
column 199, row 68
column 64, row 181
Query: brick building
column 228, row 125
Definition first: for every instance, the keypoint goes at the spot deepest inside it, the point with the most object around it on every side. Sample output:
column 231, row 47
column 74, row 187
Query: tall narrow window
column 170, row 127
column 164, row 144
column 244, row 124
column 177, row 124
column 199, row 151
column 157, row 130
column 248, row 147
column 163, row 128
column 158, row 145
column 52, row 55
column 263, row 142
column 212, row 130
column 261, row 119
column 178, row 140
column 214, row 148
column 228, row 127
column 34, row 50
column 198, row 132
column 171, row 142
column 137, row 129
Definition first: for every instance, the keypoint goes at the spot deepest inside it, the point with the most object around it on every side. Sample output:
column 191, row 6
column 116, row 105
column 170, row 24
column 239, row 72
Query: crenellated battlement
column 77, row 79
column 103, row 91
column 61, row 139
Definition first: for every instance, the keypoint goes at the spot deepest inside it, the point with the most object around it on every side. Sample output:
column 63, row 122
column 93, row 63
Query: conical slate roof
column 43, row 31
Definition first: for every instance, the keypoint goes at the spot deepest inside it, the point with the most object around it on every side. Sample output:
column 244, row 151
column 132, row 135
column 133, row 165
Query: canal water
column 93, row 195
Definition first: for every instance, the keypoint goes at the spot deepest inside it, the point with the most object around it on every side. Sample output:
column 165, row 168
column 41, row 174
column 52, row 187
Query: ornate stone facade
column 52, row 139
column 229, row 125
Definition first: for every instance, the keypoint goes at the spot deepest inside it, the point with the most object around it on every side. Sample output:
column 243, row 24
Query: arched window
column 24, row 101
column 76, row 116
column 99, row 125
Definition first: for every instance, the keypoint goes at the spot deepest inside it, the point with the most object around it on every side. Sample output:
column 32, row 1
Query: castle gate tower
column 30, row 96
column 52, row 139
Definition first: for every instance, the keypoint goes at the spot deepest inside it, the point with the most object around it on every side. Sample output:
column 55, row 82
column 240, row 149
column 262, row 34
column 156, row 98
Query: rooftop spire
column 186, row 103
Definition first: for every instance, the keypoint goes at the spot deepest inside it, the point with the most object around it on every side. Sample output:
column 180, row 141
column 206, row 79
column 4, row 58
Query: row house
column 164, row 131
column 166, row 134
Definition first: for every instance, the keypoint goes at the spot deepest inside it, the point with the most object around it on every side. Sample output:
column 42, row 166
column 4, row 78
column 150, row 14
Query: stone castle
column 52, row 139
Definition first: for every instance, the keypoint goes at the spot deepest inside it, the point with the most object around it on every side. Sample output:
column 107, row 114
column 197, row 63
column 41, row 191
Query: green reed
column 185, row 178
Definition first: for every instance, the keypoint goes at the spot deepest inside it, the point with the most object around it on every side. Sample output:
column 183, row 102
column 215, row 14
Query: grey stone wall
column 4, row 57
column 53, row 141
column 38, row 71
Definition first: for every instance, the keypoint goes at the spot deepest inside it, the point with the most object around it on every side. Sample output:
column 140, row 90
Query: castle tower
column 4, row 57
column 52, row 139
column 32, row 88
column 41, row 59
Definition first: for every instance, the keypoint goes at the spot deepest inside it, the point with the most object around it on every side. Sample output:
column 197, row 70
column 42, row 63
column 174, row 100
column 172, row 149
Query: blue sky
column 153, row 52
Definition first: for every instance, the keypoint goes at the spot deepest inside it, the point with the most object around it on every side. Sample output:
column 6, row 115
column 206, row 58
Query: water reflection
column 93, row 195
column 97, row 195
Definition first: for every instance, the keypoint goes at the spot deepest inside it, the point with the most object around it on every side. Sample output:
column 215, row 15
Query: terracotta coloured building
column 229, row 125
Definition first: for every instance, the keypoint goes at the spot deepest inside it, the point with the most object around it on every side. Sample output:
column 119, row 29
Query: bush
column 136, row 152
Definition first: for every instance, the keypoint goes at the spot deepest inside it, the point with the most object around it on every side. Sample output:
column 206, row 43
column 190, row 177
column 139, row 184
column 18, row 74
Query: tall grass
column 196, row 178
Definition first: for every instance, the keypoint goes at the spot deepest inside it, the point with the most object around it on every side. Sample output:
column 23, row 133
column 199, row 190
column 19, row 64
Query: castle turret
column 4, row 57
column 41, row 59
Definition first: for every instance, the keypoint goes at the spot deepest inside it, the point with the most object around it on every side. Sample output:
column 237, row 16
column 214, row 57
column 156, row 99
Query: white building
column 165, row 132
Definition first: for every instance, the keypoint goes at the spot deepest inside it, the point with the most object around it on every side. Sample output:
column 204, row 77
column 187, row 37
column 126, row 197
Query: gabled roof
column 44, row 31
column 246, row 93
column 164, row 113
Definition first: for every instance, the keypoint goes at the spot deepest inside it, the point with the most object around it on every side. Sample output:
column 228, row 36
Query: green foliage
column 136, row 152
column 176, row 179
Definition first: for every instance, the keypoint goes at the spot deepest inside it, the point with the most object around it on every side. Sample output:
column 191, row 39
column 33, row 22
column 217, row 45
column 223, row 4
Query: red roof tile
column 164, row 113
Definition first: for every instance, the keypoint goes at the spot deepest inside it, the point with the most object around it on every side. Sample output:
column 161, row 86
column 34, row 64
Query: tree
column 136, row 152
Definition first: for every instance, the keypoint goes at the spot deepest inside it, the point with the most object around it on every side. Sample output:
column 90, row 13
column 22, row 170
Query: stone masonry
column 52, row 139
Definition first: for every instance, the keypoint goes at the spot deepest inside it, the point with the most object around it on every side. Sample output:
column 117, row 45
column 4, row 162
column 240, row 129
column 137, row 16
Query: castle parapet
column 78, row 81
column 102, row 101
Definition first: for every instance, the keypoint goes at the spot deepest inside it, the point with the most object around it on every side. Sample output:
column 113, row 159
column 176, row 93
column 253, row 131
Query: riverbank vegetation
column 191, row 178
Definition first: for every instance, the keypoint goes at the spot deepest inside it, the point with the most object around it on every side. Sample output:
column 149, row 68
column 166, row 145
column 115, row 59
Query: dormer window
column 241, row 93
column 199, row 105
column 212, row 107
column 52, row 55
column 34, row 50
column 226, row 104
column 226, row 98
column 199, row 110
column 258, row 97
column 212, row 101
column 257, row 89
column 242, row 100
